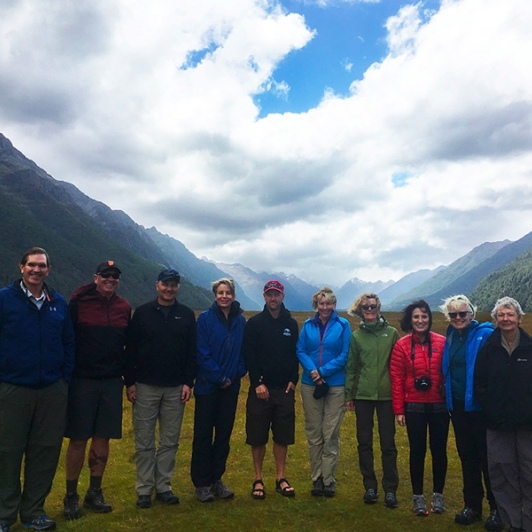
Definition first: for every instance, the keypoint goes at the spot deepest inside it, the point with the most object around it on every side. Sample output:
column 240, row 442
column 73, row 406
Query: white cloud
column 149, row 108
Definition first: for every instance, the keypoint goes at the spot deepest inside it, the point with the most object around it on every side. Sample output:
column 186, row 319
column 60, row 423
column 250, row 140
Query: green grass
column 344, row 512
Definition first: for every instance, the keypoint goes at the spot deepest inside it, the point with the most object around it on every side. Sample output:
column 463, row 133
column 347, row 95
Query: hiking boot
column 420, row 506
column 41, row 522
column 493, row 522
column 144, row 502
column 167, row 497
column 71, row 509
column 467, row 516
column 370, row 497
column 204, row 494
column 437, row 503
column 329, row 490
column 219, row 489
column 390, row 500
column 95, row 501
column 317, row 487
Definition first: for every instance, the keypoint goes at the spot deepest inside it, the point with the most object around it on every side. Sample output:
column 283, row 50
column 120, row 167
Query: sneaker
column 71, row 509
column 371, row 496
column 144, row 502
column 95, row 501
column 41, row 522
column 437, row 504
column 329, row 490
column 493, row 522
column 467, row 516
column 420, row 506
column 219, row 489
column 317, row 487
column 167, row 497
column 390, row 500
column 204, row 494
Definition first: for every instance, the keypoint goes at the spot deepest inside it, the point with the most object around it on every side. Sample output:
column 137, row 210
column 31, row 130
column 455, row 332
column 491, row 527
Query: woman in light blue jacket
column 322, row 351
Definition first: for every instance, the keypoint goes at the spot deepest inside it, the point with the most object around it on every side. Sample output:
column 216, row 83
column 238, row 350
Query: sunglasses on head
column 107, row 275
column 462, row 314
column 369, row 307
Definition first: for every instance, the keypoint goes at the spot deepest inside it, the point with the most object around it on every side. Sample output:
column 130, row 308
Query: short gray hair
column 507, row 302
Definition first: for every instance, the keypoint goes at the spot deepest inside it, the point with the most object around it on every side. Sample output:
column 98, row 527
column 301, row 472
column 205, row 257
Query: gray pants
column 155, row 465
column 510, row 469
column 365, row 411
column 32, row 423
column 323, row 418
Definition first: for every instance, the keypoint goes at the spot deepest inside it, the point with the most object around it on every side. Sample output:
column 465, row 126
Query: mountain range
column 79, row 232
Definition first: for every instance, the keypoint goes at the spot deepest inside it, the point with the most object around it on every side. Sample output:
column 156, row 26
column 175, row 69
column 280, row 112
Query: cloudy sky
column 325, row 138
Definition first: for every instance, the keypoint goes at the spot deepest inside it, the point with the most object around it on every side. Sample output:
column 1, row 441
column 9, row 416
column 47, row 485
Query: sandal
column 258, row 493
column 286, row 491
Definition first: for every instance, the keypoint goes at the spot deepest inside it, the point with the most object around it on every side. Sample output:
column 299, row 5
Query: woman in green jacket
column 367, row 387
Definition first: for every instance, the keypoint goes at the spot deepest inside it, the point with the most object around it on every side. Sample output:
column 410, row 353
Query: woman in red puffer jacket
column 418, row 402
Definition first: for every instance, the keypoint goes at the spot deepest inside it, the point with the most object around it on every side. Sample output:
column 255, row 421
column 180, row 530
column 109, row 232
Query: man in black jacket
column 160, row 372
column 270, row 340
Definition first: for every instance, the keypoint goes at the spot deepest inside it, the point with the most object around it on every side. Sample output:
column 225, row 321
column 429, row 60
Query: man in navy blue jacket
column 36, row 363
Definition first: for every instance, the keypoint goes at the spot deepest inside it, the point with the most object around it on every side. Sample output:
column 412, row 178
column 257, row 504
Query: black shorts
column 94, row 409
column 278, row 412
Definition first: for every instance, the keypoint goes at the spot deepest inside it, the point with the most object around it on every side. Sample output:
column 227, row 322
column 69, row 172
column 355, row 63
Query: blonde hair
column 356, row 307
column 453, row 303
column 224, row 280
column 325, row 292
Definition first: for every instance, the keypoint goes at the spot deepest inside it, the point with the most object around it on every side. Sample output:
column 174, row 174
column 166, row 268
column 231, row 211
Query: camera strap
column 413, row 353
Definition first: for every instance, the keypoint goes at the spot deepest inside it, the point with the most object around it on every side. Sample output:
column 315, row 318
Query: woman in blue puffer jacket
column 322, row 351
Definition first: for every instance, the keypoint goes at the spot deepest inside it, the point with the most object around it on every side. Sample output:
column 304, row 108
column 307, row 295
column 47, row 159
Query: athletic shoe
column 390, row 500
column 167, row 497
column 437, row 504
column 420, row 506
column 371, row 496
column 219, row 489
column 204, row 494
column 41, row 522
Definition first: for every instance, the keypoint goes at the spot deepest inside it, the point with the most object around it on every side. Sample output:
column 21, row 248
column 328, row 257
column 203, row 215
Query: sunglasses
column 369, row 307
column 107, row 275
column 462, row 314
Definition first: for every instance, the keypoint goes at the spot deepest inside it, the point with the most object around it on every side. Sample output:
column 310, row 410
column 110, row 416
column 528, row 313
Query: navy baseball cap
column 169, row 273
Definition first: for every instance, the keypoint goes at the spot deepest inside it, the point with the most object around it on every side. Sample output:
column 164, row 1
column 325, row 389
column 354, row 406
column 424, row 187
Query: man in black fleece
column 270, row 340
column 160, row 371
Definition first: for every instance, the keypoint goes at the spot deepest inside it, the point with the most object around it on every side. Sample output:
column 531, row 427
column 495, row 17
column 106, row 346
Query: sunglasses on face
column 369, row 307
column 107, row 275
column 462, row 314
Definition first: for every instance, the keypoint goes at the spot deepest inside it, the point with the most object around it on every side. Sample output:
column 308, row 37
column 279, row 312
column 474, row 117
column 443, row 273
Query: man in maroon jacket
column 100, row 318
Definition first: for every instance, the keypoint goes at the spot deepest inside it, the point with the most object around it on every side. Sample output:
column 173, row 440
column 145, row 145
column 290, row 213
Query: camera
column 422, row 384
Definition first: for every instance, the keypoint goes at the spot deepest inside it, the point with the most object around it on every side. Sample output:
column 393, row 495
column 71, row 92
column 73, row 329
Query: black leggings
column 438, row 428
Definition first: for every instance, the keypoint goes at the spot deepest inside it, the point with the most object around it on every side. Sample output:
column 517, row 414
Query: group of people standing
column 62, row 370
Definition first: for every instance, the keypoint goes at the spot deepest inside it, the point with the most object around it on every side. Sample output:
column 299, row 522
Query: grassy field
column 344, row 512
